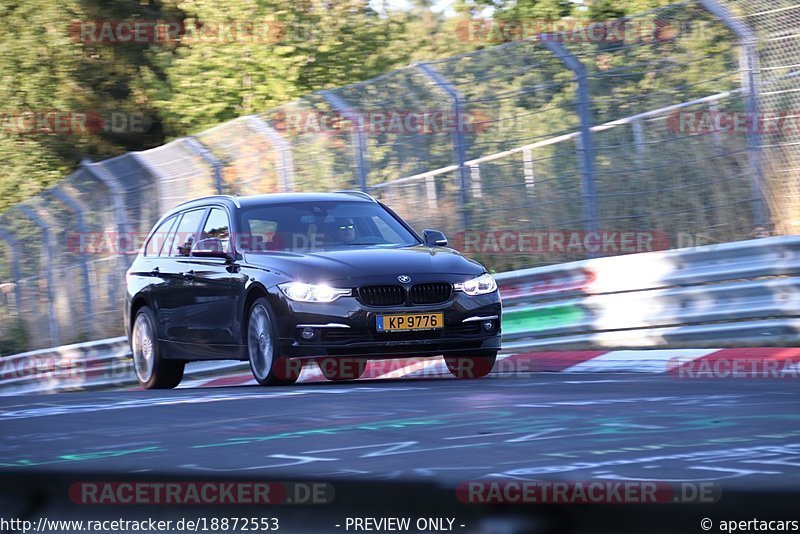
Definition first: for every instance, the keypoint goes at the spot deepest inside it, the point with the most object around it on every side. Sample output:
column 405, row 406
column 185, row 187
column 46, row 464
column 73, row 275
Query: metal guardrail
column 732, row 295
column 104, row 364
column 735, row 294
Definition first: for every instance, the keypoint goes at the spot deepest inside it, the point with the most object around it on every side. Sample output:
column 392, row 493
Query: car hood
column 363, row 263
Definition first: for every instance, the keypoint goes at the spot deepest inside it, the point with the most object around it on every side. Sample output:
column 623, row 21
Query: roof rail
column 210, row 197
column 360, row 194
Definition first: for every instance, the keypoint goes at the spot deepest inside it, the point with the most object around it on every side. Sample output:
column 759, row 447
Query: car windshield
column 309, row 226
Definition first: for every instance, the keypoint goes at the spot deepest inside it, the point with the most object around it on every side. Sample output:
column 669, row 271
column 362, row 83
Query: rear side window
column 159, row 236
column 167, row 247
column 187, row 233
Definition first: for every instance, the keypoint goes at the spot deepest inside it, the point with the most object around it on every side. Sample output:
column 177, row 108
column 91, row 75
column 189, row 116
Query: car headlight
column 312, row 292
column 478, row 286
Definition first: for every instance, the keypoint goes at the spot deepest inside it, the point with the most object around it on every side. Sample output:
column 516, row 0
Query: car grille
column 395, row 295
column 432, row 293
column 390, row 295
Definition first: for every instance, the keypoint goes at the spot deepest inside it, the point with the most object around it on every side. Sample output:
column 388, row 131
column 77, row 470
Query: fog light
column 488, row 326
column 308, row 334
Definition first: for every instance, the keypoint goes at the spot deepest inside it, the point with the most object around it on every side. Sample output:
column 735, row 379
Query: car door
column 175, row 297
column 211, row 317
column 148, row 274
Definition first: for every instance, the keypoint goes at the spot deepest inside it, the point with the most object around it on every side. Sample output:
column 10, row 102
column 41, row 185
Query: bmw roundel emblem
column 404, row 279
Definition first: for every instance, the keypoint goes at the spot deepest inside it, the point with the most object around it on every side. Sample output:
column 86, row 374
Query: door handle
column 189, row 275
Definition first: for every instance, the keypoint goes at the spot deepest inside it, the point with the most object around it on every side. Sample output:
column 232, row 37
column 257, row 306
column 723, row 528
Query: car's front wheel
column 471, row 366
column 152, row 370
column 268, row 368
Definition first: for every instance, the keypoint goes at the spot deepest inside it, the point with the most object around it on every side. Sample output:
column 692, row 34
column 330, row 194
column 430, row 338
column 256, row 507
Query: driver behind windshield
column 345, row 230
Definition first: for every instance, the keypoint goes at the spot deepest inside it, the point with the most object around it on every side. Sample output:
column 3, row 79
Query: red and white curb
column 766, row 362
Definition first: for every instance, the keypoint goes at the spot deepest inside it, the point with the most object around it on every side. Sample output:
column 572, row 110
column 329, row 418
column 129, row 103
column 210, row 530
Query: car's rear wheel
column 151, row 369
column 268, row 368
column 342, row 368
column 475, row 365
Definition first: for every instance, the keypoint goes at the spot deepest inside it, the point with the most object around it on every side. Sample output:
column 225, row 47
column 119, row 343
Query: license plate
column 406, row 322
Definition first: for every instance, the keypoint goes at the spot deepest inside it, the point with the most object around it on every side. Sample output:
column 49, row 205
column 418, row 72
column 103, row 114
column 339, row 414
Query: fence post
column 78, row 210
column 713, row 108
column 118, row 198
column 356, row 137
column 528, row 171
column 13, row 245
column 585, row 140
column 285, row 163
column 749, row 80
column 475, row 180
column 430, row 192
column 159, row 176
column 459, row 139
column 47, row 270
column 216, row 165
column 638, row 137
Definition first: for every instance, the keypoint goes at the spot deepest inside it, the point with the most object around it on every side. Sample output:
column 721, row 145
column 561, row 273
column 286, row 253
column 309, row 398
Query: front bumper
column 347, row 327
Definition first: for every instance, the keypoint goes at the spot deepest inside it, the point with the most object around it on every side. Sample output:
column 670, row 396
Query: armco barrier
column 104, row 364
column 730, row 295
column 743, row 294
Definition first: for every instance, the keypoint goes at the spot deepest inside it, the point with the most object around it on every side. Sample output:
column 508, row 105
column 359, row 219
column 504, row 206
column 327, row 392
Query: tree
column 46, row 68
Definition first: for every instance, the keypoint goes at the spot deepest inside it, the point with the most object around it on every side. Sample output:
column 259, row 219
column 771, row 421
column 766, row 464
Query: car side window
column 218, row 227
column 159, row 237
column 167, row 247
column 187, row 232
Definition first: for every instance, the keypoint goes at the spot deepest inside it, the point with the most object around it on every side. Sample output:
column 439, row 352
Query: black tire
column 151, row 369
column 267, row 366
column 338, row 369
column 476, row 365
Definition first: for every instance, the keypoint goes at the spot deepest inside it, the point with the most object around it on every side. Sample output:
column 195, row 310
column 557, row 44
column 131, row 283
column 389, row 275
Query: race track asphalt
column 740, row 433
column 402, row 448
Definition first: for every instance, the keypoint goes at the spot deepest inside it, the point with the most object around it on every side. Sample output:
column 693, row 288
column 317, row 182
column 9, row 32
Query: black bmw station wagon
column 282, row 279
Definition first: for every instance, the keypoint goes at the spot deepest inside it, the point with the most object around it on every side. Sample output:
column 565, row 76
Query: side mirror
column 434, row 238
column 211, row 247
